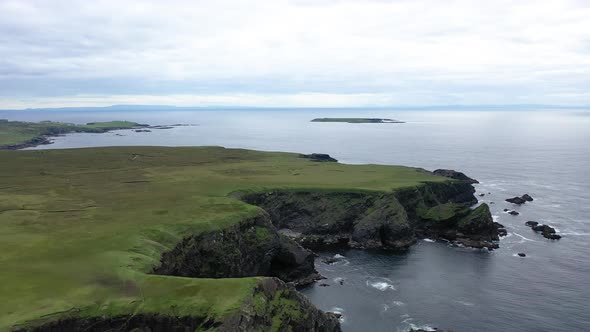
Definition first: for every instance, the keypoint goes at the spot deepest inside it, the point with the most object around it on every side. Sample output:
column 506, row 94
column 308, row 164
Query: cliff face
column 250, row 248
column 272, row 306
column 276, row 307
column 379, row 220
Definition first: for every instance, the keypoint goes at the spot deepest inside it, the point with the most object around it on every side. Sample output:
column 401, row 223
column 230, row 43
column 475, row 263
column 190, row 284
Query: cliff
column 154, row 238
column 387, row 220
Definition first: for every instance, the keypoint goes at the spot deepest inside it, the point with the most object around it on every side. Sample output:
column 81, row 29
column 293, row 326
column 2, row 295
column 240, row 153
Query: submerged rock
column 531, row 223
column 449, row 173
column 521, row 254
column 514, row 213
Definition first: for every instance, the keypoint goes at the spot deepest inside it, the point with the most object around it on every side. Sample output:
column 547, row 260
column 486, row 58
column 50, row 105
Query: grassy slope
column 17, row 132
column 80, row 228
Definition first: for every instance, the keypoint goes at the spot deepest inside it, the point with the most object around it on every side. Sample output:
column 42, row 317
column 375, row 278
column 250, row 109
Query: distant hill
column 222, row 107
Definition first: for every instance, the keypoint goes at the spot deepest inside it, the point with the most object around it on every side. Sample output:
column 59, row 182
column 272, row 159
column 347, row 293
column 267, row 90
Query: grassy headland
column 18, row 134
column 82, row 228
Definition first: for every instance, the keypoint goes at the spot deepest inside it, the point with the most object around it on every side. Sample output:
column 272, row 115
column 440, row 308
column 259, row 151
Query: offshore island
column 203, row 238
column 357, row 120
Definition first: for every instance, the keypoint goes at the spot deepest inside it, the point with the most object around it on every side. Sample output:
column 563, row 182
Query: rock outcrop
column 251, row 248
column 322, row 157
column 449, row 173
column 391, row 220
column 520, row 200
column 547, row 231
column 274, row 306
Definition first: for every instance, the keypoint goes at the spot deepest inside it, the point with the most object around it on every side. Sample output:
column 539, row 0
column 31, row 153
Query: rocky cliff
column 391, row 220
column 272, row 306
column 250, row 248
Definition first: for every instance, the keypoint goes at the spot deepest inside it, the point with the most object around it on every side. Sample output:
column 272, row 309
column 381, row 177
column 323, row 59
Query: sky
column 299, row 53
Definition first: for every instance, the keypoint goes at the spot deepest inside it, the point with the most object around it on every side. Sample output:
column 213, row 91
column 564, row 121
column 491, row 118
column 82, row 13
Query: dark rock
column 321, row 157
column 327, row 220
column 492, row 203
column 324, row 285
column 521, row 254
column 143, row 131
column 531, row 223
column 498, row 225
column 251, row 248
column 544, row 228
column 547, row 231
column 514, row 213
column 482, row 195
column 516, row 200
column 449, row 173
column 275, row 306
column 330, row 260
column 506, row 210
column 434, row 330
column 527, row 197
column 552, row 236
column 502, row 232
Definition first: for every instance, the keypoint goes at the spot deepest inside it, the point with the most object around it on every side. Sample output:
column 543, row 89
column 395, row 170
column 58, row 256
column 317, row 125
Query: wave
column 339, row 311
column 380, row 285
column 524, row 238
column 574, row 233
column 465, row 303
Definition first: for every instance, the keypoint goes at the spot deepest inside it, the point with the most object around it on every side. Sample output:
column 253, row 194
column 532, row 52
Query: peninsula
column 356, row 120
column 192, row 238
column 16, row 135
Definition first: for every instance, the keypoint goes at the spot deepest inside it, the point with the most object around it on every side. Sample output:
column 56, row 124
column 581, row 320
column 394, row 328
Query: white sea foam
column 428, row 240
column 338, row 279
column 575, row 233
column 495, row 217
column 339, row 311
column 398, row 303
column 338, row 256
column 524, row 238
column 422, row 327
column 380, row 285
column 465, row 303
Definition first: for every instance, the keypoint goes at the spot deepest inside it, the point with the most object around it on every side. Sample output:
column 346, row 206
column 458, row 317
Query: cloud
column 358, row 52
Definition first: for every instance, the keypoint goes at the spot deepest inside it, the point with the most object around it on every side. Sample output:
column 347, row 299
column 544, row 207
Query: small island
column 357, row 120
column 16, row 135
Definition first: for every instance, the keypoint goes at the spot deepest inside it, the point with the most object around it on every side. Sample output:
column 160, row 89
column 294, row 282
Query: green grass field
column 17, row 132
column 81, row 228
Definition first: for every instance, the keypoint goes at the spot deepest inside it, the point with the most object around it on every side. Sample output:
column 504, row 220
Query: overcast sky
column 293, row 53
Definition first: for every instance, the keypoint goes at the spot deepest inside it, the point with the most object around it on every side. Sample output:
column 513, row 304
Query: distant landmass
column 266, row 108
column 357, row 120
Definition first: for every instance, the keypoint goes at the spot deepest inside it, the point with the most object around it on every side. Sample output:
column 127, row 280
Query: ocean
column 543, row 153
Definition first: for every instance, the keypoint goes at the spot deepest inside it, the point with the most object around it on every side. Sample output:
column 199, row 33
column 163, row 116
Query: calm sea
column 545, row 154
